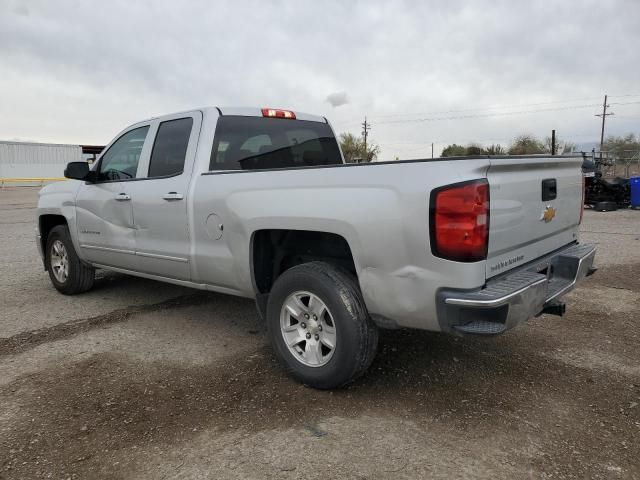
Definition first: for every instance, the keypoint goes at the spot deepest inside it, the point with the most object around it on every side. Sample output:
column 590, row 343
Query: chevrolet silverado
column 260, row 203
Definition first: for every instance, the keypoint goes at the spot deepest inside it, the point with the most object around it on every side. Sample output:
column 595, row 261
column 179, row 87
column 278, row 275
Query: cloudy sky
column 422, row 72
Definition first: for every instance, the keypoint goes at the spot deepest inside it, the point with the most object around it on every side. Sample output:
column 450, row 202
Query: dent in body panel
column 403, row 290
column 407, row 295
column 103, row 221
column 97, row 231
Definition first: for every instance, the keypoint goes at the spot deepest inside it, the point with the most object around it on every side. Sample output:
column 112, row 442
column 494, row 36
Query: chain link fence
column 623, row 164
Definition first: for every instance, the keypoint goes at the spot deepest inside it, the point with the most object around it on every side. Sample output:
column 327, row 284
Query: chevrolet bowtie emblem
column 548, row 214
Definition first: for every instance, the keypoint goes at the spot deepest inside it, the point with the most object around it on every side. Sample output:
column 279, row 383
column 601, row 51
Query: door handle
column 173, row 196
column 123, row 197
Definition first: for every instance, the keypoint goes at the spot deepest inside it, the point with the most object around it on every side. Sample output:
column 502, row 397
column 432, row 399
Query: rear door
column 159, row 200
column 535, row 205
column 104, row 214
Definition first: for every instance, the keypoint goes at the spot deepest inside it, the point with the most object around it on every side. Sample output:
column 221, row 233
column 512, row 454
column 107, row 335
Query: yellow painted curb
column 40, row 180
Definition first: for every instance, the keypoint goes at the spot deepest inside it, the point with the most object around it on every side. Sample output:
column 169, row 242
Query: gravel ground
column 138, row 379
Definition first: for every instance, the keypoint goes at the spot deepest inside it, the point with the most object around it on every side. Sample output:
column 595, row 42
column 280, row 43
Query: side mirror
column 77, row 171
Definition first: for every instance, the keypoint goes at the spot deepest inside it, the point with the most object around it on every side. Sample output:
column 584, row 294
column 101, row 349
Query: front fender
column 60, row 199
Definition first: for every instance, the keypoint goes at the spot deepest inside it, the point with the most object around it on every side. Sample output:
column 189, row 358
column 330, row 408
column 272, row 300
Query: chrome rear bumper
column 517, row 296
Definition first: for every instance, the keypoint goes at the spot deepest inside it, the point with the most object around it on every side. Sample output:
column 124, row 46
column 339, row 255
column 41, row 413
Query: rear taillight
column 460, row 221
column 582, row 204
column 277, row 113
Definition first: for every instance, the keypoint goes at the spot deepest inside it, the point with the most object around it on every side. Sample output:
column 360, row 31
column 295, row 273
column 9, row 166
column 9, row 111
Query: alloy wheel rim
column 308, row 329
column 59, row 261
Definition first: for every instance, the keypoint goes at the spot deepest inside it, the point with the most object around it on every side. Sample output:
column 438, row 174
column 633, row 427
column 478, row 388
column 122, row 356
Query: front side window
column 170, row 148
column 120, row 162
column 250, row 143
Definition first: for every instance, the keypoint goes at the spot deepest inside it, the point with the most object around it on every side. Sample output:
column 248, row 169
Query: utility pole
column 553, row 142
column 604, row 115
column 431, row 149
column 365, row 133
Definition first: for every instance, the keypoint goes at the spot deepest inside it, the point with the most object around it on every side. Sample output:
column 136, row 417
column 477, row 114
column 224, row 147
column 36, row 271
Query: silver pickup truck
column 260, row 203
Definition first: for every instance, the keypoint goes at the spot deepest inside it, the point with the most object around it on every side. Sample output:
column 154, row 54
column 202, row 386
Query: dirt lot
column 137, row 379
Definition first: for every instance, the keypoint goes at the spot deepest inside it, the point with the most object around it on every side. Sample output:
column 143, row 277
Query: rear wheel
column 67, row 273
column 319, row 326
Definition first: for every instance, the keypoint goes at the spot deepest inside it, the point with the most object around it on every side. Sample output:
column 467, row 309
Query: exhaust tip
column 555, row 308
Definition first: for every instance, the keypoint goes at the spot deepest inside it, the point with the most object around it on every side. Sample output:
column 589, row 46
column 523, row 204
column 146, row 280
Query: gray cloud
column 79, row 71
column 337, row 99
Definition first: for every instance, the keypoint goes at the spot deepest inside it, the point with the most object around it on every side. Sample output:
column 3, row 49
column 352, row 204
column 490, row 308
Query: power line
column 502, row 107
column 625, row 103
column 486, row 115
column 501, row 114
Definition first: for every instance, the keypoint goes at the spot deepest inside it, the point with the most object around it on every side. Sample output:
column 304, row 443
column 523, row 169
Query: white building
column 23, row 163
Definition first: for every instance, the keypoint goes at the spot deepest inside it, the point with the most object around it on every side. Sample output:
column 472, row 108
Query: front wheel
column 66, row 271
column 319, row 326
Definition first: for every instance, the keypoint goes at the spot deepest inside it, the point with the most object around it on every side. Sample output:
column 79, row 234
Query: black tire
column 356, row 334
column 80, row 276
column 605, row 206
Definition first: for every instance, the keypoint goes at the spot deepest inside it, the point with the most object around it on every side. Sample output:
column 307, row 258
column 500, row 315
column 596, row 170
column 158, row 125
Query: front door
column 104, row 212
column 160, row 207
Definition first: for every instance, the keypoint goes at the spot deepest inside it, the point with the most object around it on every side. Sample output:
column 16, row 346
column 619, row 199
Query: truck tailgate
column 527, row 219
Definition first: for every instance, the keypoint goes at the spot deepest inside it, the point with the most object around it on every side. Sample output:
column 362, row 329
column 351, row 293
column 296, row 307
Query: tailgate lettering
column 506, row 263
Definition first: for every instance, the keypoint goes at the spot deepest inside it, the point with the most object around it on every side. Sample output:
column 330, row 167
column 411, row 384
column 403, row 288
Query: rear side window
column 170, row 148
column 250, row 143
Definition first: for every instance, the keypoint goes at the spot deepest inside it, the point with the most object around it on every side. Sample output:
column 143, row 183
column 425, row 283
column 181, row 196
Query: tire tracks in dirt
column 24, row 341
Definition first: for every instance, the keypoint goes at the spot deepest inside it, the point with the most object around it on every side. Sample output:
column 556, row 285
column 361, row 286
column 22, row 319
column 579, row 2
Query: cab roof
column 257, row 112
column 243, row 112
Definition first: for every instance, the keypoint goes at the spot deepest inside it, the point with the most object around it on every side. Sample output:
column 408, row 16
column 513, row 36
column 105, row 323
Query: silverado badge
column 548, row 214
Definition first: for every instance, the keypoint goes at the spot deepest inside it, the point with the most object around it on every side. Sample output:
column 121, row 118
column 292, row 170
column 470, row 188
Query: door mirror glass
column 77, row 170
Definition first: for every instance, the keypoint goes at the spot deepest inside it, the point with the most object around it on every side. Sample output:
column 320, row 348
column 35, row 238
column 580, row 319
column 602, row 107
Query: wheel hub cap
column 59, row 260
column 308, row 329
column 313, row 327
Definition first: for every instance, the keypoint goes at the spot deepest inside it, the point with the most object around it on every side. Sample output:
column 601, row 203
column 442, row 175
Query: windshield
column 250, row 143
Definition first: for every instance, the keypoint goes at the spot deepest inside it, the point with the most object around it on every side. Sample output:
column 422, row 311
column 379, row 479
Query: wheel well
column 274, row 251
column 46, row 224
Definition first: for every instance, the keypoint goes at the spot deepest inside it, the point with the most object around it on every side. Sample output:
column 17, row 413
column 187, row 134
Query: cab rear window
column 251, row 143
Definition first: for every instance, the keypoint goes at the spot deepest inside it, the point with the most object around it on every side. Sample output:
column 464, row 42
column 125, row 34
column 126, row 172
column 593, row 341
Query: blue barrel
column 635, row 191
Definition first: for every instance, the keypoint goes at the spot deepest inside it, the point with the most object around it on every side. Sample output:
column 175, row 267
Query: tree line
column 521, row 145
column 625, row 146
column 354, row 150
column 619, row 146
